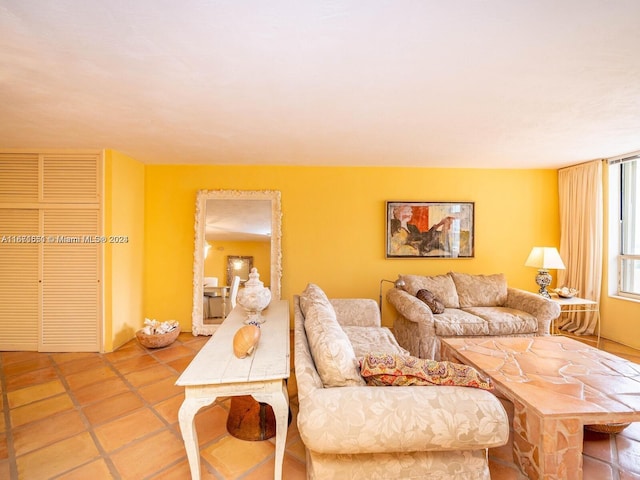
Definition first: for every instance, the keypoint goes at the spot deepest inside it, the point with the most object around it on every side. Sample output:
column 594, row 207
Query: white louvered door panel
column 19, row 178
column 19, row 299
column 70, row 178
column 70, row 282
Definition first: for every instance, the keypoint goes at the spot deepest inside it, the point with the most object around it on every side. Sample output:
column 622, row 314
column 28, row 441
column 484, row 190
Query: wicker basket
column 157, row 340
column 607, row 427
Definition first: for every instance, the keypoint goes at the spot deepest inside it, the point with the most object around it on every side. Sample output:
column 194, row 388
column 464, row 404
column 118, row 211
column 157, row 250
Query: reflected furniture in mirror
column 233, row 224
column 240, row 266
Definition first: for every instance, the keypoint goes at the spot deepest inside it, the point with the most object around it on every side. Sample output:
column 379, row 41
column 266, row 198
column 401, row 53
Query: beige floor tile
column 149, row 375
column 41, row 391
column 9, row 358
column 211, row 423
column 30, row 365
column 181, row 471
column 127, row 351
column 168, row 409
column 4, row 452
column 80, row 364
column 39, row 410
column 628, row 454
column 96, row 470
column 180, row 364
column 64, row 357
column 158, row 391
column 148, row 456
column 28, row 379
column 291, row 470
column 113, row 407
column 47, row 431
column 122, row 431
column 297, row 450
column 5, row 469
column 100, row 391
column 232, row 457
column 173, row 353
column 136, row 363
column 90, row 376
column 58, row 458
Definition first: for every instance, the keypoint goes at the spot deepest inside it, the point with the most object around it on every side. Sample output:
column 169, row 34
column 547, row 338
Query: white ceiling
column 457, row 83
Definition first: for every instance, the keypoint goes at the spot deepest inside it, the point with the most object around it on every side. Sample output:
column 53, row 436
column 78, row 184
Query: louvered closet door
column 70, row 282
column 19, row 299
column 70, row 179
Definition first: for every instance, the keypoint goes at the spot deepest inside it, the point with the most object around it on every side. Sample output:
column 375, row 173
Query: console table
column 576, row 305
column 215, row 371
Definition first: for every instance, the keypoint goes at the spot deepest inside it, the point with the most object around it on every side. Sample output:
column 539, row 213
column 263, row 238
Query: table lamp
column 544, row 258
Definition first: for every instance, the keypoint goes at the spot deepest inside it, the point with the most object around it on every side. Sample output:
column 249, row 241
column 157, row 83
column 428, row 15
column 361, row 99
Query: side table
column 215, row 371
column 576, row 305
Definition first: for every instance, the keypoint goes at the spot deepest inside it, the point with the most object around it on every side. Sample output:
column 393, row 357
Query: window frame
column 617, row 194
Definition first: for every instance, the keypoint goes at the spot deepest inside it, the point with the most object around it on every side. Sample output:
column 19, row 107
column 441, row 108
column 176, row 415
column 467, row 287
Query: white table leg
column 279, row 401
column 186, row 416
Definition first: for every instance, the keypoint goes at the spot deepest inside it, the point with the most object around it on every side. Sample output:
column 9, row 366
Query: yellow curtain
column 581, row 206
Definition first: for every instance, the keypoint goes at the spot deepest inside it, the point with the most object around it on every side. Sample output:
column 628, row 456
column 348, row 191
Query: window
column 629, row 245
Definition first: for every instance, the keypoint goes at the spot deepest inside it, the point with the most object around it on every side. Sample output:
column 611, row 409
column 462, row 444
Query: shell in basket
column 157, row 340
column 246, row 340
column 566, row 292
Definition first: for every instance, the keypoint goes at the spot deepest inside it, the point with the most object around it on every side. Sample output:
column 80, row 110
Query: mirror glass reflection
column 233, row 227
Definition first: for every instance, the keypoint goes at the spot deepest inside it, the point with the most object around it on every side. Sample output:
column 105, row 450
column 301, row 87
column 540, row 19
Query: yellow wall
column 215, row 265
column 334, row 225
column 123, row 262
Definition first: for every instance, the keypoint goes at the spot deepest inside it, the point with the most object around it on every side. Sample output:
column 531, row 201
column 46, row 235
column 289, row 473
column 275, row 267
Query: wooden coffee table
column 557, row 386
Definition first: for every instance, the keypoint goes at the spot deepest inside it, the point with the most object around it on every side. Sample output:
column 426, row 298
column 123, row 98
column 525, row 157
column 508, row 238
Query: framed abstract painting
column 430, row 229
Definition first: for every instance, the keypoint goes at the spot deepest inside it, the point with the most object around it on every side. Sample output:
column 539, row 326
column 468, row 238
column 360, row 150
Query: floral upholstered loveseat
column 461, row 304
column 356, row 431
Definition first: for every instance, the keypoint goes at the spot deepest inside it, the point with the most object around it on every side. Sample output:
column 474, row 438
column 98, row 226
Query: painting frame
column 430, row 229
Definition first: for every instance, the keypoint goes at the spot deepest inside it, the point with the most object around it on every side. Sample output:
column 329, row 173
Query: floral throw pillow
column 381, row 369
column 431, row 300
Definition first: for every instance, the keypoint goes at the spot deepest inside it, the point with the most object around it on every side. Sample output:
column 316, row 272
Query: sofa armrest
column 543, row 309
column 401, row 419
column 410, row 307
column 356, row 312
column 414, row 326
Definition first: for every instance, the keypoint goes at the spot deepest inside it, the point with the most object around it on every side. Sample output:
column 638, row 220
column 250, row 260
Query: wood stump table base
column 251, row 420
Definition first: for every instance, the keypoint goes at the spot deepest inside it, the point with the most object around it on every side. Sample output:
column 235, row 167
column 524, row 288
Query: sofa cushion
column 441, row 286
column 431, row 300
column 480, row 290
column 505, row 321
column 331, row 350
column 400, row 370
column 367, row 339
column 313, row 294
column 455, row 322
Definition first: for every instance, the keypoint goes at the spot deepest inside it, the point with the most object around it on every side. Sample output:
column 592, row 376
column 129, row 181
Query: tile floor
column 114, row 416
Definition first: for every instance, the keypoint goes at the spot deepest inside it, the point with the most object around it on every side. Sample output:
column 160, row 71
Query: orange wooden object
column 250, row 420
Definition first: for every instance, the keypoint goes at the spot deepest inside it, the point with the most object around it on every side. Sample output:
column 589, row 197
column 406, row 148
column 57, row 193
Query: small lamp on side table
column 399, row 283
column 544, row 258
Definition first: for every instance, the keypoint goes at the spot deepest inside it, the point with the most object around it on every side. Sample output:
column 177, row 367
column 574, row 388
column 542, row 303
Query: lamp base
column 543, row 279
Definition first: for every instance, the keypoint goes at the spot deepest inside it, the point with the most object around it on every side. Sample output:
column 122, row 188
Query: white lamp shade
column 545, row 258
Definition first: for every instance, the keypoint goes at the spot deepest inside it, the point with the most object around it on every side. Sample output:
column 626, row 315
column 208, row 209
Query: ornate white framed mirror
column 226, row 222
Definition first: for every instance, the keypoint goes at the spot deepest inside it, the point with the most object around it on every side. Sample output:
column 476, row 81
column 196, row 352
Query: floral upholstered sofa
column 356, row 431
column 461, row 304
